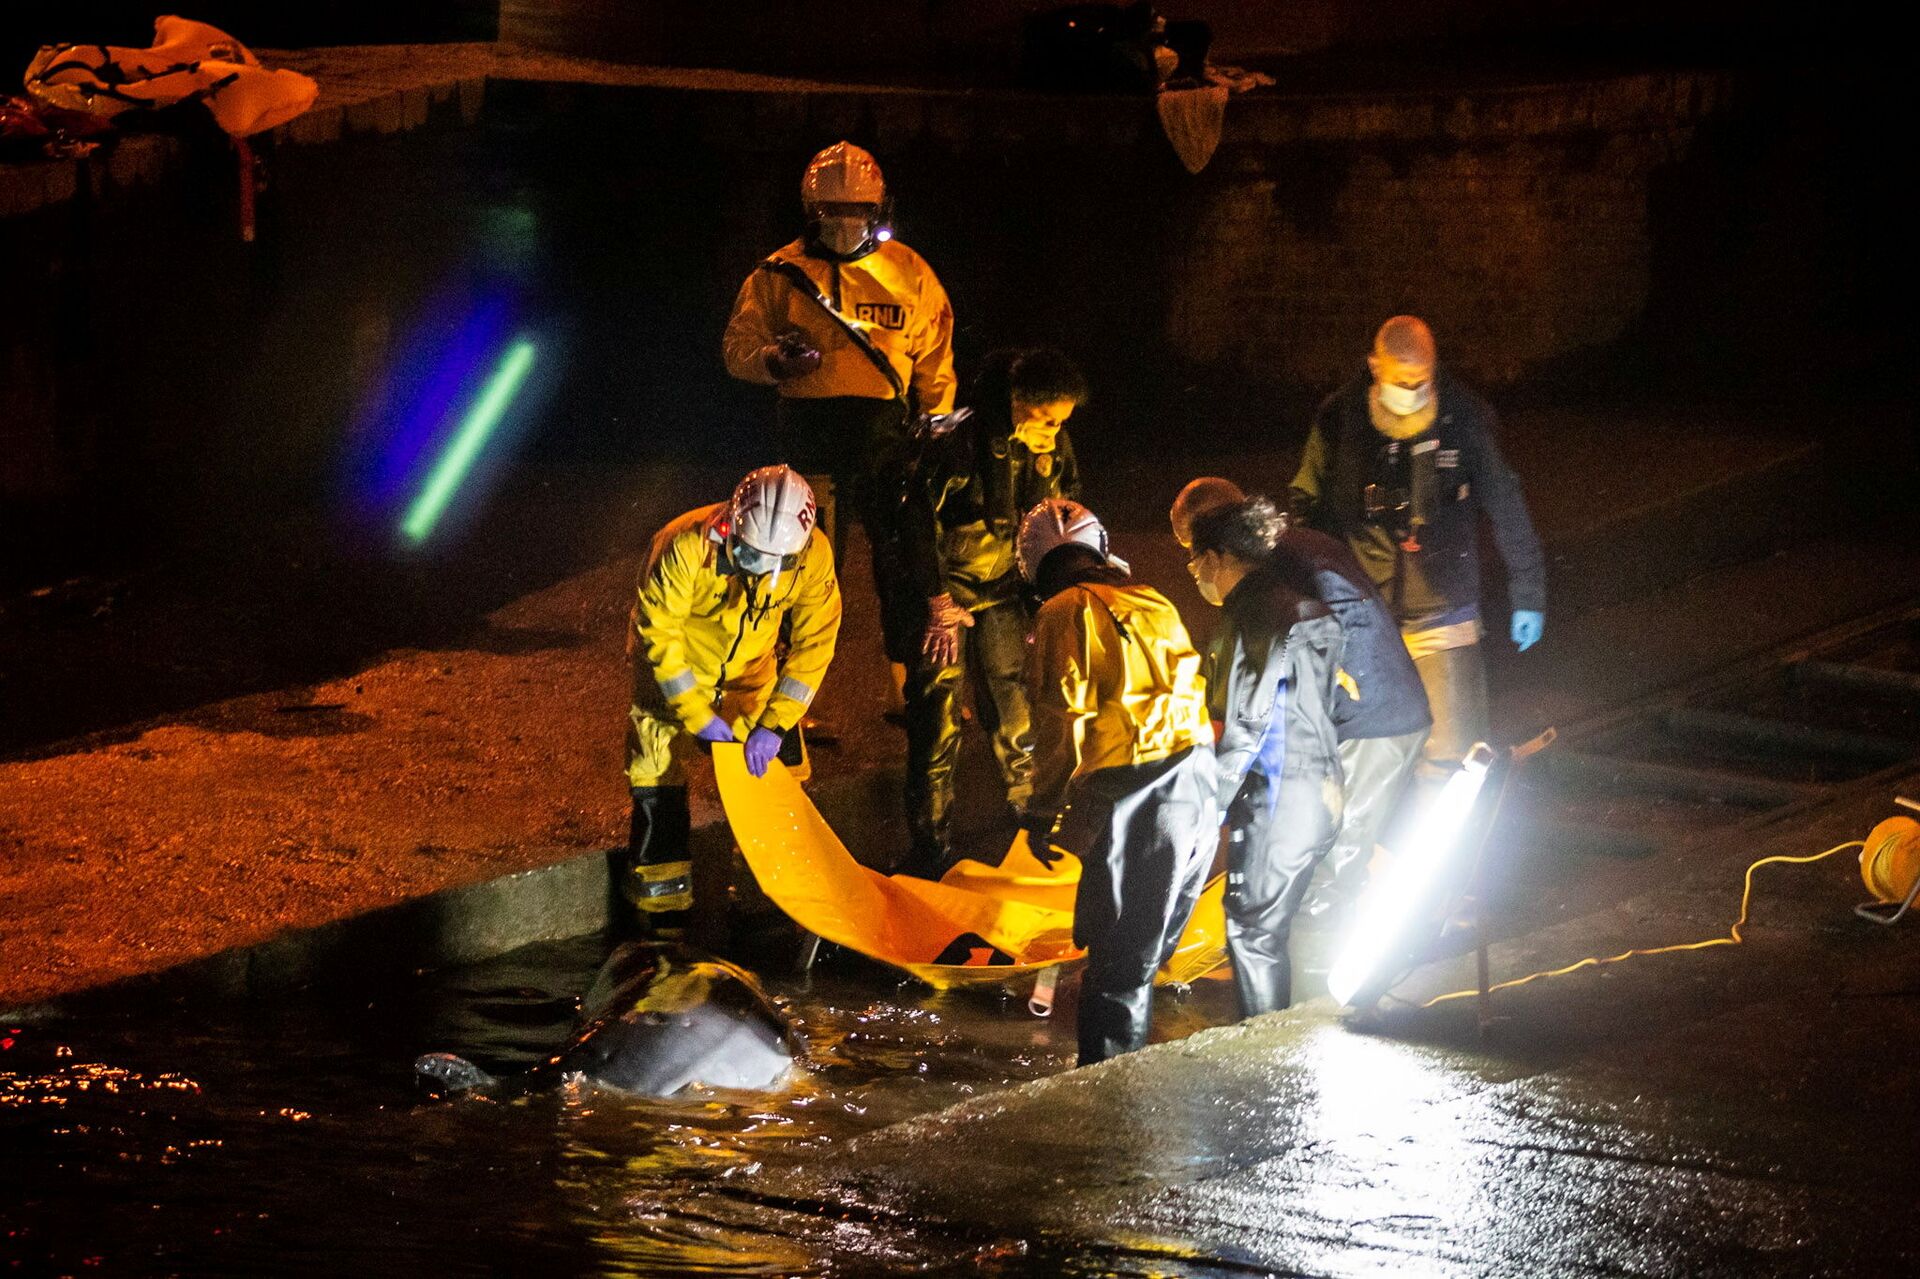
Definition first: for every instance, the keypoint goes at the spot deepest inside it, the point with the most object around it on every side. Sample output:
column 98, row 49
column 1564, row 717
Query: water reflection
column 291, row 1131
column 670, row 1185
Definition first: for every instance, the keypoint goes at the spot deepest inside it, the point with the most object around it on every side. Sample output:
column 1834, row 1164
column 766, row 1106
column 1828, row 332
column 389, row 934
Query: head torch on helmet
column 848, row 209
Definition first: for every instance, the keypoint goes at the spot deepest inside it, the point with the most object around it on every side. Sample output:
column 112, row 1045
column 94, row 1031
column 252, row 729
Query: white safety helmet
column 843, row 174
column 769, row 520
column 1057, row 522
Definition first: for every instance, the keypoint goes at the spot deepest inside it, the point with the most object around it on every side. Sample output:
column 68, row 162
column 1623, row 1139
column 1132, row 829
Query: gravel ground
column 136, row 848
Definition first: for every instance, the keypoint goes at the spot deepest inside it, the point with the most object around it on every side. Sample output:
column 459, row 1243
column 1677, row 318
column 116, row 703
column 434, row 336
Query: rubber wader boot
column 1113, row 1022
column 657, row 878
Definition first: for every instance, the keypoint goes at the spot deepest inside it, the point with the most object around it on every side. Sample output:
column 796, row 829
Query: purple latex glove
column 940, row 644
column 762, row 745
column 716, row 730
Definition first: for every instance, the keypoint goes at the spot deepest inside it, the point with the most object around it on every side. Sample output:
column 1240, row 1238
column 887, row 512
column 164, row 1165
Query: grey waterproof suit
column 1279, row 769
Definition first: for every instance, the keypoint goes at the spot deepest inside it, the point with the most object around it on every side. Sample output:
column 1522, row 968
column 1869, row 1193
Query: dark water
column 289, row 1138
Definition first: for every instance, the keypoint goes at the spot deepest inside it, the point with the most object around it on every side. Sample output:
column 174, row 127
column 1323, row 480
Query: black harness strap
column 803, row 284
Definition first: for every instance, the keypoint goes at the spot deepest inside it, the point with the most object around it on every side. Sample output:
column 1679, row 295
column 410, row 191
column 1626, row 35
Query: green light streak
column 458, row 460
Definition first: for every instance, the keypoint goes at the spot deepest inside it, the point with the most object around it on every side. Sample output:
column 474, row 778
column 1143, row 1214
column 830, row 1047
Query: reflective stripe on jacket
column 1114, row 680
column 700, row 626
column 891, row 295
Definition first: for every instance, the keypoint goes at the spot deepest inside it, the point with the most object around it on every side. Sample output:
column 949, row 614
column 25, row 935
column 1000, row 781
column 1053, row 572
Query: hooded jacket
column 701, row 626
column 1392, row 701
column 1113, row 680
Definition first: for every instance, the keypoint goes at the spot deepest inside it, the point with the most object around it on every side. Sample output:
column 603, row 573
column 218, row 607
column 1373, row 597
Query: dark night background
column 185, row 406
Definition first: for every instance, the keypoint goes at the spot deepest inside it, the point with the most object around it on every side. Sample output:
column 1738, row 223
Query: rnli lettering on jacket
column 891, row 296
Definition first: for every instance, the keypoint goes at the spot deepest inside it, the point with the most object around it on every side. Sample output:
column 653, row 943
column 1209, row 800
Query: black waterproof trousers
column 993, row 652
column 1145, row 835
column 850, row 450
column 1276, row 834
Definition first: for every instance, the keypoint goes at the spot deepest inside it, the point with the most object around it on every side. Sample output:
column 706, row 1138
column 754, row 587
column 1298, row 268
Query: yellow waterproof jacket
column 1114, row 680
column 701, row 627
column 891, row 295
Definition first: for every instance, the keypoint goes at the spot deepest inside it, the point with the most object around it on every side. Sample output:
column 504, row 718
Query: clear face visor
column 843, row 227
column 755, row 562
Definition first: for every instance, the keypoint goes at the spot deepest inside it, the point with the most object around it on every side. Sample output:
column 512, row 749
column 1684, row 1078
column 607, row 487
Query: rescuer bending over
column 719, row 583
column 967, row 486
column 855, row 331
column 1380, row 712
column 1279, row 760
column 1122, row 765
column 1399, row 465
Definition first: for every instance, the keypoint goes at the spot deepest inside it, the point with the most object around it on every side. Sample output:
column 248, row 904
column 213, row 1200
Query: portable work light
column 1398, row 899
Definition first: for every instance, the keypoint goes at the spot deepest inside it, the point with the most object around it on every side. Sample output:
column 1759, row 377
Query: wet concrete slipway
column 281, row 812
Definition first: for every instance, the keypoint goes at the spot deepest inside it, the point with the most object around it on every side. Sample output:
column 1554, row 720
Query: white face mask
column 1038, row 439
column 843, row 235
column 1402, row 401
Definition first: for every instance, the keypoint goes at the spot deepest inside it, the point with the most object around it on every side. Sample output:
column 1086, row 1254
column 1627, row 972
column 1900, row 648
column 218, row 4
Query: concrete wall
column 1516, row 222
column 157, row 373
column 978, row 41
column 157, row 368
column 1520, row 221
column 912, row 40
column 262, row 26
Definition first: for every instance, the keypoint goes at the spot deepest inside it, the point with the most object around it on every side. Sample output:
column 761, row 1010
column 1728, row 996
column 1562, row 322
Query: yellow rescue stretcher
column 980, row 924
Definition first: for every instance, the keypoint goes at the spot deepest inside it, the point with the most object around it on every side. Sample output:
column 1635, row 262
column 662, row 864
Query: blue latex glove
column 715, row 731
column 762, row 745
column 1527, row 625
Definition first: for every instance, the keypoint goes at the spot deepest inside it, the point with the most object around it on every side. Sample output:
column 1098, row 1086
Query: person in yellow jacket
column 1123, row 767
column 855, row 332
column 707, row 664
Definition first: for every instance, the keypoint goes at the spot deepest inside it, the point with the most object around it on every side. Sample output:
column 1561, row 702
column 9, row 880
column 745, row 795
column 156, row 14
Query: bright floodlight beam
column 455, row 464
column 1389, row 908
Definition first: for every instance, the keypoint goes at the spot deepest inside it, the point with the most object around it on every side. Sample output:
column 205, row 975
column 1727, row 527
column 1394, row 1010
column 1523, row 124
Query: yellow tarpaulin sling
column 979, row 924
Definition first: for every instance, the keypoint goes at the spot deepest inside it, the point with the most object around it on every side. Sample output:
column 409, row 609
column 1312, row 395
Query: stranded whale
column 656, row 1019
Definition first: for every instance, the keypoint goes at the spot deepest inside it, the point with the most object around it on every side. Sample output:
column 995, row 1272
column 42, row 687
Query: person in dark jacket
column 968, row 486
column 1279, row 755
column 1380, row 711
column 1400, row 465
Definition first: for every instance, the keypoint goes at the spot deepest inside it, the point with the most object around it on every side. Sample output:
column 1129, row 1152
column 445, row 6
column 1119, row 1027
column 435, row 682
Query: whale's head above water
column 657, row 1020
